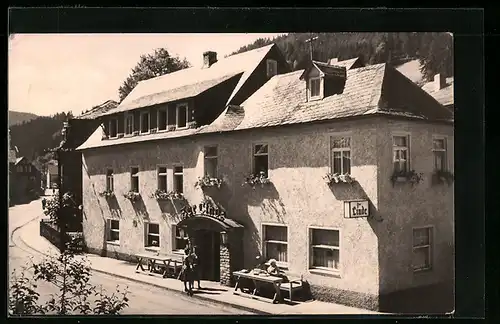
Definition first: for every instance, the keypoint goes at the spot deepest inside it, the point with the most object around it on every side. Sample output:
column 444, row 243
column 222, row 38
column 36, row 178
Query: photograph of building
column 289, row 131
column 223, row 173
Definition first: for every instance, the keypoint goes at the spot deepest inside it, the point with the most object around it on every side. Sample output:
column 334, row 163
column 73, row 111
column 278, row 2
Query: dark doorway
column 208, row 250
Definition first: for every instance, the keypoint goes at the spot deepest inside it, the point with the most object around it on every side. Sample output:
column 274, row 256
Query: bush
column 71, row 276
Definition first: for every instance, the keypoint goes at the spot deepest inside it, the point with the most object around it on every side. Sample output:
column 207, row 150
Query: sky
column 51, row 73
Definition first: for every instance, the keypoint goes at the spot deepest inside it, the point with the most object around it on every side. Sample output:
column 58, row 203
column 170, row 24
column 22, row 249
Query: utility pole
column 310, row 40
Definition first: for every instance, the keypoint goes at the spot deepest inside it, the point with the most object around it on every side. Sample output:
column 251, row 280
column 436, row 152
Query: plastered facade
column 375, row 252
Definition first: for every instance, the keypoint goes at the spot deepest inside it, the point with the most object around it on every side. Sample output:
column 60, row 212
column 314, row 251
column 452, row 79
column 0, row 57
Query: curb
column 245, row 308
column 19, row 227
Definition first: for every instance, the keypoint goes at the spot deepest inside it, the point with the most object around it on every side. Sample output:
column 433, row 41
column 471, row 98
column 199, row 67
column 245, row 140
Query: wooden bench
column 169, row 264
column 293, row 284
column 257, row 280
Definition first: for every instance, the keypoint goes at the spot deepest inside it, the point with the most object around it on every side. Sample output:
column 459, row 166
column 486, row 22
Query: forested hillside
column 434, row 50
column 35, row 136
column 17, row 117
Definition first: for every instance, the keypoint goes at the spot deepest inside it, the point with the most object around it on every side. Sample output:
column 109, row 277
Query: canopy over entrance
column 198, row 222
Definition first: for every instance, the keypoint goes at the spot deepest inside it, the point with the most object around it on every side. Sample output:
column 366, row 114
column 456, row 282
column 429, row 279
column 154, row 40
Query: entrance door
column 208, row 250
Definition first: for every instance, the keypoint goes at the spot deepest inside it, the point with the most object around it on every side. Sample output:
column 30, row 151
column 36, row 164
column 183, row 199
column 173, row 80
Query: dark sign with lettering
column 355, row 209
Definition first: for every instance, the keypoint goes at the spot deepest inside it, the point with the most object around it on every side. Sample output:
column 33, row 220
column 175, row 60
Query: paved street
column 144, row 299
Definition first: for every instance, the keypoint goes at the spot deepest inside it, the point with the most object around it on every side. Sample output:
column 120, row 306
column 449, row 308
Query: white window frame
column 174, row 184
column 408, row 148
column 320, row 92
column 274, row 64
column 110, row 229
column 147, row 234
column 331, row 136
column 177, row 115
column 127, row 115
column 158, row 113
column 254, row 171
column 311, row 253
column 429, row 246
column 142, row 120
column 161, row 174
column 216, row 158
column 113, row 120
column 280, row 264
column 110, row 183
column 174, row 240
column 445, row 150
column 132, row 176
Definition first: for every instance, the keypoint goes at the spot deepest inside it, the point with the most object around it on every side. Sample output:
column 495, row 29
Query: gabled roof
column 346, row 63
column 192, row 81
column 98, row 110
column 282, row 101
column 445, row 95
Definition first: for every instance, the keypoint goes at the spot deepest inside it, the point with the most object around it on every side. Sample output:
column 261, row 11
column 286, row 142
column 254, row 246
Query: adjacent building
column 340, row 172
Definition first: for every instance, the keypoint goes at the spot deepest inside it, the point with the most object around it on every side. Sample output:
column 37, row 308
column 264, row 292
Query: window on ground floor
column 422, row 248
column 162, row 178
column 180, row 239
column 113, row 230
column 178, row 179
column 152, row 235
column 325, row 249
column 275, row 242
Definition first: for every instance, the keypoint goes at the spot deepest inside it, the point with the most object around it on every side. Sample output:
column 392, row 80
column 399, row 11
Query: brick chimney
column 439, row 82
column 209, row 58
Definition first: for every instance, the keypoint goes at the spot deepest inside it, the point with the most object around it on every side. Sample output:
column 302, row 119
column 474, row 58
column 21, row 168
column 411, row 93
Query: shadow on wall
column 114, row 207
column 140, row 208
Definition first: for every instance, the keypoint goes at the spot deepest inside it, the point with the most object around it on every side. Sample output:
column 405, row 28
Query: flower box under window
column 257, row 179
column 107, row 194
column 207, row 181
column 406, row 176
column 334, row 178
column 132, row 195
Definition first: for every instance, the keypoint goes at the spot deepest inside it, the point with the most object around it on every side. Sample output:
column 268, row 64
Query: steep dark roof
column 371, row 90
column 99, row 110
column 192, row 81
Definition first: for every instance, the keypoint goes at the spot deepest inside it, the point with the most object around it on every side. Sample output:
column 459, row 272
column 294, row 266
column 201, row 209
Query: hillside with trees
column 433, row 50
column 35, row 136
column 17, row 117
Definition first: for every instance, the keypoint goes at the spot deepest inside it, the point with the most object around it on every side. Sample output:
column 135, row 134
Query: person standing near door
column 196, row 266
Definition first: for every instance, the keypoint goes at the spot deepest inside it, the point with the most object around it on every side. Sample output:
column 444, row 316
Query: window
column 422, row 248
column 314, row 87
column 272, row 68
column 144, row 122
column 162, row 178
column 180, row 238
column 341, row 155
column 109, row 180
column 134, row 179
column 439, row 152
column 152, row 235
column 400, row 153
column 113, row 230
column 275, row 243
column 211, row 161
column 129, row 124
column 325, row 249
column 113, row 128
column 178, row 179
column 260, row 159
column 162, row 119
column 181, row 120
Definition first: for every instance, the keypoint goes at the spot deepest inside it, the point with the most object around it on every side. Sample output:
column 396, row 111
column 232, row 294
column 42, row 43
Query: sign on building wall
column 356, row 208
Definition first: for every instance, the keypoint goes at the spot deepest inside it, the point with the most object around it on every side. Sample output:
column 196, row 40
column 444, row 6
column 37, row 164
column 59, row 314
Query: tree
column 150, row 66
column 71, row 276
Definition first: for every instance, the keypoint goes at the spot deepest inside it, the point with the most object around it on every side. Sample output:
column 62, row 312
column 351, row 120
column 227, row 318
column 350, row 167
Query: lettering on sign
column 355, row 209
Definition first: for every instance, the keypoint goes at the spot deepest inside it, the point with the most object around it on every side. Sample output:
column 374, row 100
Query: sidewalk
column 215, row 293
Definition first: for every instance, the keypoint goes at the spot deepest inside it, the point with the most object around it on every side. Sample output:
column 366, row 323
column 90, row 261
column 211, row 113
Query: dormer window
column 182, row 117
column 113, row 128
column 129, row 124
column 315, row 88
column 145, row 122
column 272, row 68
